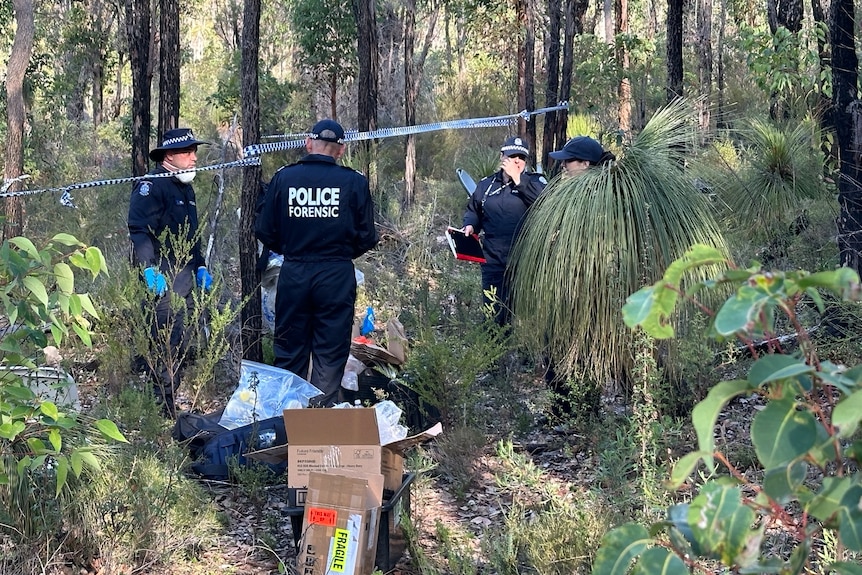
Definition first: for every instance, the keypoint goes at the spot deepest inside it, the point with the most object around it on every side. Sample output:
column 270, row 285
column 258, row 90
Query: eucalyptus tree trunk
column 721, row 112
column 824, row 106
column 848, row 128
column 251, row 187
column 413, row 67
column 16, row 113
column 138, row 33
column 704, row 65
column 552, row 81
column 169, row 66
column 410, row 85
column 624, row 90
column 674, row 49
column 365, row 13
column 574, row 25
column 608, row 19
column 526, row 69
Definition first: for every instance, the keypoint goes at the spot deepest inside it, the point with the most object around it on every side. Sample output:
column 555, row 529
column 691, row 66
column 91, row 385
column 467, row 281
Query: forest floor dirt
column 257, row 536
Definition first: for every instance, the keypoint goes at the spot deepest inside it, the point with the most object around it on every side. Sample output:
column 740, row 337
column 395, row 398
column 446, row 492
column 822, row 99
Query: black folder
column 465, row 247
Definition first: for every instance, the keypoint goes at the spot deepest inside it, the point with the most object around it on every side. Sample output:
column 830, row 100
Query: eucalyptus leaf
column 619, row 547
column 660, row 561
column 781, row 433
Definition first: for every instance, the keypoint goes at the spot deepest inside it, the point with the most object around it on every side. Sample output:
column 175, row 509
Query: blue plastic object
column 156, row 281
column 368, row 323
column 205, row 280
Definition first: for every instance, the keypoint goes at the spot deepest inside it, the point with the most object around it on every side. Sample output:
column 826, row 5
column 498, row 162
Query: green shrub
column 805, row 438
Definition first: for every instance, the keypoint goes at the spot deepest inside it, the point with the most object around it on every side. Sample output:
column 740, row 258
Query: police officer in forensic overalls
column 319, row 216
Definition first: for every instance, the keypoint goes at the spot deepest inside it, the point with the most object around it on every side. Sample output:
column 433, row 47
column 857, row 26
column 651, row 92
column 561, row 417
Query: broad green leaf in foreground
column 705, row 414
column 847, row 414
column 619, row 548
column 722, row 524
column 109, row 429
column 781, row 433
column 775, row 367
column 660, row 561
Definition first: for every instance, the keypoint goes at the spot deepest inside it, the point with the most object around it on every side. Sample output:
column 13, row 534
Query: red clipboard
column 465, row 247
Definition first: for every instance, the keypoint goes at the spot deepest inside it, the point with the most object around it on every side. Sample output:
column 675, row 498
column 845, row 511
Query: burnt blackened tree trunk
column 365, row 14
column 16, row 68
column 138, row 32
column 552, row 82
column 169, row 65
column 848, row 127
column 526, row 69
column 674, row 49
column 251, row 186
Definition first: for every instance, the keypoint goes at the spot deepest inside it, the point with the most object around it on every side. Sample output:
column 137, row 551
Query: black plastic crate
column 391, row 540
column 419, row 415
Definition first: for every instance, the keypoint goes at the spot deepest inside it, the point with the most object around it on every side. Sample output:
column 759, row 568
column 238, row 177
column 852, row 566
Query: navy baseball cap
column 580, row 148
column 515, row 146
column 328, row 131
column 176, row 139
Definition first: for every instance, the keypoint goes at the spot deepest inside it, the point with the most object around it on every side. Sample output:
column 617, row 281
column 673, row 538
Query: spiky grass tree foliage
column 591, row 241
column 781, row 174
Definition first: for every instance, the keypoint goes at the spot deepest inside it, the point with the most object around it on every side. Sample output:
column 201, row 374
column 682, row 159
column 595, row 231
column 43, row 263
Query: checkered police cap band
column 515, row 146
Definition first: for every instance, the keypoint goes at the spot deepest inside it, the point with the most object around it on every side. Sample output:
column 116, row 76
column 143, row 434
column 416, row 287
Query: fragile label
column 340, row 541
column 322, row 516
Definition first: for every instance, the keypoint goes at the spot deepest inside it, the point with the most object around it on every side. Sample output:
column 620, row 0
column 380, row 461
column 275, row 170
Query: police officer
column 497, row 207
column 163, row 208
column 319, row 216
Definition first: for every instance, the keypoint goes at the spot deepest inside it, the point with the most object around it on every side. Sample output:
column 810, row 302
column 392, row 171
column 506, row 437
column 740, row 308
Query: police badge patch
column 144, row 190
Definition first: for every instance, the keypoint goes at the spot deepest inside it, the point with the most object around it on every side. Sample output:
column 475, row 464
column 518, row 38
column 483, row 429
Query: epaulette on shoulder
column 351, row 169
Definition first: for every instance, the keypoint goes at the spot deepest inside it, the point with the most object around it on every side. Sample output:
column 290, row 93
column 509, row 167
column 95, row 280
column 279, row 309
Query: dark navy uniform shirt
column 316, row 210
column 157, row 205
column 498, row 208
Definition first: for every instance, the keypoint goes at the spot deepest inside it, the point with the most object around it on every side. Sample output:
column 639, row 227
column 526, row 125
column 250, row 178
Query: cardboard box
column 391, row 538
column 340, row 524
column 327, row 439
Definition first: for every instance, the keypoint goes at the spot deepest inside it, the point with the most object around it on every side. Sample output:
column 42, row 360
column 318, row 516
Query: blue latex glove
column 205, row 280
column 156, row 281
column 368, row 323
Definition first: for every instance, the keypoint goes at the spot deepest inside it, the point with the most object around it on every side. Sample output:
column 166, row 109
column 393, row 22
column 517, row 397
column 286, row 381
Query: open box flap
column 347, row 426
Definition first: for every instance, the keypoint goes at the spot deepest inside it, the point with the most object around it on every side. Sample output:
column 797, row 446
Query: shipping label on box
column 340, row 525
column 329, row 439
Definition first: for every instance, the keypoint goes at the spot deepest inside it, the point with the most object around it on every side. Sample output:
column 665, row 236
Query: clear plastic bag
column 265, row 391
column 350, row 379
column 388, row 426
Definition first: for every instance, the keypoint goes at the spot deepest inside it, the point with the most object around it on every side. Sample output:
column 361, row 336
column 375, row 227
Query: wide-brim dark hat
column 580, row 148
column 177, row 139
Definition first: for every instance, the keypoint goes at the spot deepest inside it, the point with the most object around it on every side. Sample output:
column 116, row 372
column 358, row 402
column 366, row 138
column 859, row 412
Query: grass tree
column 592, row 240
column 780, row 176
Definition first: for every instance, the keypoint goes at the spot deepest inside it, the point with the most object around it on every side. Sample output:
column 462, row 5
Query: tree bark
column 16, row 68
column 848, row 129
column 704, row 64
column 552, row 82
column 250, row 315
column 527, row 70
column 365, row 13
column 721, row 112
column 674, row 49
column 138, row 32
column 624, row 90
column 824, row 102
column 169, row 66
column 574, row 11
column 410, row 86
